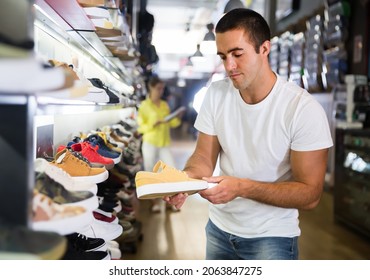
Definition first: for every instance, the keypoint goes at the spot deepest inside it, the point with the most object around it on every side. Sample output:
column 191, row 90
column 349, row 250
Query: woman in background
column 156, row 130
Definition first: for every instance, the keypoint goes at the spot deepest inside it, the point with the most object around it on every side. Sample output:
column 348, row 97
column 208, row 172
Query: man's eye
column 237, row 54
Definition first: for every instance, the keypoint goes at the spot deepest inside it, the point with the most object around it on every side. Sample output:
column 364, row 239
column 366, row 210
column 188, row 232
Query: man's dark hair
column 254, row 25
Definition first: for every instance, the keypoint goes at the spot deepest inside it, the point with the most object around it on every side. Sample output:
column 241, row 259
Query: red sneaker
column 92, row 155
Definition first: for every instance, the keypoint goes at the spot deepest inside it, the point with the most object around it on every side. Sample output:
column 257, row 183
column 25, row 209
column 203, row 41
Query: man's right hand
column 177, row 200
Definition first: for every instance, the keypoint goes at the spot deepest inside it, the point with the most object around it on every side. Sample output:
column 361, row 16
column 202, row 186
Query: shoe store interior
column 74, row 76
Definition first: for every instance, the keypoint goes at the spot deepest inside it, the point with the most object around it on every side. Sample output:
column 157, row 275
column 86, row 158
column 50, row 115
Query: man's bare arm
column 204, row 158
column 303, row 192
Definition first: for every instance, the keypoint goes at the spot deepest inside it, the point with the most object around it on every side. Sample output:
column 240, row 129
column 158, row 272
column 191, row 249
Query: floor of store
column 180, row 235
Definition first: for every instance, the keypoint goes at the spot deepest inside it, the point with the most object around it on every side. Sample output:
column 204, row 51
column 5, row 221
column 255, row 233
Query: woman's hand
column 158, row 123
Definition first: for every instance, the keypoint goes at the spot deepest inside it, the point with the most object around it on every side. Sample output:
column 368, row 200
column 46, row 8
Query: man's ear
column 265, row 47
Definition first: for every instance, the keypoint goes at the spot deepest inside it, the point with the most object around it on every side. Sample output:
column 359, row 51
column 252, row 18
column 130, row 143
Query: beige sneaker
column 79, row 167
column 165, row 181
column 50, row 216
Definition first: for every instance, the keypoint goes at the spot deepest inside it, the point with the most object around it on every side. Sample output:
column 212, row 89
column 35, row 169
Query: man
column 272, row 140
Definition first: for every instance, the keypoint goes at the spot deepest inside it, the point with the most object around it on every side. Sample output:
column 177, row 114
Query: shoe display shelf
column 20, row 110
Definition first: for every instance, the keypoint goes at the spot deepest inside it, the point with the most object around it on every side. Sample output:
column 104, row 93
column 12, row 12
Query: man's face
column 241, row 62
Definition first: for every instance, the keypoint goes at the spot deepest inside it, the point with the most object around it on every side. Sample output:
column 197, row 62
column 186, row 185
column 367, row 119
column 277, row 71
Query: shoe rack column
column 16, row 158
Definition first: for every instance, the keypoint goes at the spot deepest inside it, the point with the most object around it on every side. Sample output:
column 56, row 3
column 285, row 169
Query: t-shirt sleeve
column 205, row 119
column 310, row 130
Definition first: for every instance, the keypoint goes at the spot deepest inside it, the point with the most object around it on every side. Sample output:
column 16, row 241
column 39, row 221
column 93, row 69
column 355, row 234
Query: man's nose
column 229, row 64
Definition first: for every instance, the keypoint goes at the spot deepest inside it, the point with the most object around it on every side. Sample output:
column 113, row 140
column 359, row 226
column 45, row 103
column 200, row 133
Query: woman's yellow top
column 148, row 115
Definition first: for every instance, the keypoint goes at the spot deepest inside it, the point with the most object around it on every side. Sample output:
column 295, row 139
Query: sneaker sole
column 90, row 204
column 160, row 190
column 64, row 226
column 98, row 178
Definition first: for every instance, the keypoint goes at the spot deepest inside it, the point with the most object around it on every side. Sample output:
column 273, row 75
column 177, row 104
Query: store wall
column 358, row 36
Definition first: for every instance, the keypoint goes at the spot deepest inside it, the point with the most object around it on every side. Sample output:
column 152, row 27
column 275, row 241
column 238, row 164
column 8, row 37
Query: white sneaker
column 112, row 244
column 100, row 229
column 34, row 77
column 115, row 253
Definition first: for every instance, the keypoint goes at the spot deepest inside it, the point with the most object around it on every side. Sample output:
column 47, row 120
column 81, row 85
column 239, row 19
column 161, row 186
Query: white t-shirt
column 255, row 143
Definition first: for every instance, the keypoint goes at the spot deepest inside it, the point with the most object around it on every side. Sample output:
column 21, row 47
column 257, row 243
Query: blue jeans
column 225, row 246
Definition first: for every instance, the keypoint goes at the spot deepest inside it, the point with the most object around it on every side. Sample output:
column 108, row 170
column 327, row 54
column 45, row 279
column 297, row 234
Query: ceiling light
column 210, row 36
column 198, row 52
column 181, row 82
column 197, row 56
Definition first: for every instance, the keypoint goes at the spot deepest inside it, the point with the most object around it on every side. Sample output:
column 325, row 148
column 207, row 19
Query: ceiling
column 179, row 26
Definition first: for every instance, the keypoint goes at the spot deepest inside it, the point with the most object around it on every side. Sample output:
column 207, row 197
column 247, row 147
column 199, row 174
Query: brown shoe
column 79, row 167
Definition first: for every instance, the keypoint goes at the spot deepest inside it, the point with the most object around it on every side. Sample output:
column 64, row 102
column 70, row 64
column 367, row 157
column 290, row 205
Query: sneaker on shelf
column 120, row 132
column 17, row 242
column 113, row 98
column 132, row 168
column 79, row 167
column 59, row 194
column 118, row 207
column 109, row 205
column 100, row 229
column 107, row 32
column 125, row 195
column 78, row 254
column 112, row 244
column 108, row 142
column 166, row 181
column 91, row 3
column 85, row 243
column 118, row 139
column 102, row 23
column 126, row 216
column 92, row 155
column 115, row 253
column 97, row 12
column 104, row 150
column 43, row 79
column 92, row 164
column 96, row 95
column 128, row 229
column 62, row 177
column 129, row 124
column 106, row 217
column 116, row 176
column 50, row 216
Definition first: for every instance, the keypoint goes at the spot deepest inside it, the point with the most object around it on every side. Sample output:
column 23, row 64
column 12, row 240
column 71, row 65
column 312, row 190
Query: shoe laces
column 79, row 242
column 80, row 157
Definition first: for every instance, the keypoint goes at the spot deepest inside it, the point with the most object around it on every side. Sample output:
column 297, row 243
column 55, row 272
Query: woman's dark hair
column 154, row 80
column 254, row 25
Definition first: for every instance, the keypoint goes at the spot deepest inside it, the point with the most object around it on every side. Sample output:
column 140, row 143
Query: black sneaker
column 23, row 243
column 73, row 254
column 82, row 242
